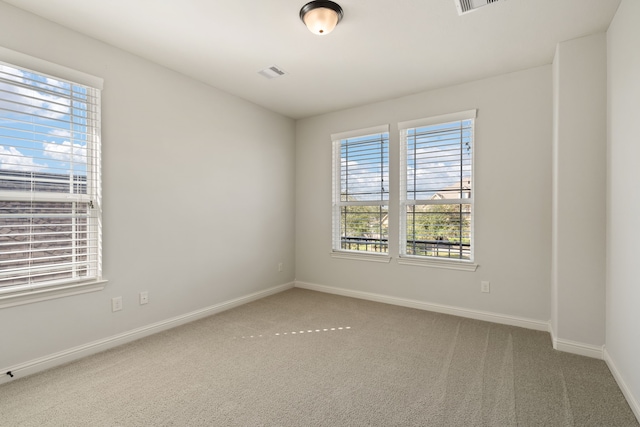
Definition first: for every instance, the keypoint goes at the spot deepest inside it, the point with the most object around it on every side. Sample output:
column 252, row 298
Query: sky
column 434, row 162
column 42, row 129
column 365, row 168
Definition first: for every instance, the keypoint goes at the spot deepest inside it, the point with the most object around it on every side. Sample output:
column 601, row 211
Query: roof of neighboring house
column 453, row 191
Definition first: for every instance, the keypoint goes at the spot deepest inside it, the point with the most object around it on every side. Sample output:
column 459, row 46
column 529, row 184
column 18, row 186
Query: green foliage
column 439, row 230
column 439, row 223
column 363, row 221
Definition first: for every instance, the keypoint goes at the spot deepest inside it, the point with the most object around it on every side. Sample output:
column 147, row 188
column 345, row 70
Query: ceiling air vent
column 466, row 6
column 272, row 72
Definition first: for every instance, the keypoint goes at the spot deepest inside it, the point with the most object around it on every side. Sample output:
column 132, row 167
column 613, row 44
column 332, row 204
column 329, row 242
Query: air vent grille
column 466, row 6
column 272, row 72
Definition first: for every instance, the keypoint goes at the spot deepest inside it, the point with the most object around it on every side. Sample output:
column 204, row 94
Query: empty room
column 349, row 213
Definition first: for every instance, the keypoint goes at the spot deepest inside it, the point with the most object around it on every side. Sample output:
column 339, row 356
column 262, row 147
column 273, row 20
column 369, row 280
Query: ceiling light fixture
column 321, row 17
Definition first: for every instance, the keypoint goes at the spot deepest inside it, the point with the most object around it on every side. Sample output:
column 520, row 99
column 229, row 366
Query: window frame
column 405, row 202
column 13, row 295
column 337, row 203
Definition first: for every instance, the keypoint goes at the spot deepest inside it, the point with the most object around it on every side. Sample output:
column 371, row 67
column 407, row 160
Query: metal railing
column 365, row 244
column 439, row 248
column 432, row 248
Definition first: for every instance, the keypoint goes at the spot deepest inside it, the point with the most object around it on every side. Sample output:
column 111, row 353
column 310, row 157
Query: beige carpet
column 302, row 358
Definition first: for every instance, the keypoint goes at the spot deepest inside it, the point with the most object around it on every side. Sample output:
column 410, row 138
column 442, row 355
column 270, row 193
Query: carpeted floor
column 302, row 358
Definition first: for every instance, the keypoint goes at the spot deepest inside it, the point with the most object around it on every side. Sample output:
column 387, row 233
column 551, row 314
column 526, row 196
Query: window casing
column 436, row 187
column 50, row 183
column 361, row 191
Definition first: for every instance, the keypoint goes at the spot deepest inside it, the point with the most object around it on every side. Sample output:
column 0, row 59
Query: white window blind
column 50, row 183
column 436, row 193
column 361, row 190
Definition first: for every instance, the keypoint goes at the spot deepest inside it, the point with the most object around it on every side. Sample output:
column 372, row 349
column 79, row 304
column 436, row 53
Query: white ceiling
column 381, row 49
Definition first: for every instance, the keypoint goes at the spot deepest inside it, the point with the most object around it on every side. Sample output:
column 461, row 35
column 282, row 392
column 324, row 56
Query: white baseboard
column 84, row 350
column 438, row 308
column 558, row 344
column 631, row 399
column 574, row 347
column 578, row 348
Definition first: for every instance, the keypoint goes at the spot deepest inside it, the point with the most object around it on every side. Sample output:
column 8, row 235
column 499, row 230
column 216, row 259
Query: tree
column 363, row 227
column 448, row 222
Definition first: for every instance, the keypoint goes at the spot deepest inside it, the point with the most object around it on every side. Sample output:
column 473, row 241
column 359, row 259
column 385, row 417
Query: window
column 361, row 190
column 50, row 194
column 436, row 194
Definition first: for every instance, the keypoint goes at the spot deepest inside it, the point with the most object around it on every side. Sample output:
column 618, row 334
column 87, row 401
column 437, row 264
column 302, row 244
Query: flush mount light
column 321, row 17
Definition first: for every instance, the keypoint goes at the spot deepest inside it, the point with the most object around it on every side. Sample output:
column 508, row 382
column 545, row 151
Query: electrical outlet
column 144, row 297
column 116, row 304
column 280, row 266
column 485, row 286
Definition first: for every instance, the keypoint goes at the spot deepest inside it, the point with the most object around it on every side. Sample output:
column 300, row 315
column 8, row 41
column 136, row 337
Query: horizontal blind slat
column 437, row 189
column 49, row 179
column 6, row 274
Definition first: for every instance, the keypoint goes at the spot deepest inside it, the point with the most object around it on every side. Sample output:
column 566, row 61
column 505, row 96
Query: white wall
column 623, row 207
column 198, row 196
column 513, row 198
column 579, row 169
column 170, row 142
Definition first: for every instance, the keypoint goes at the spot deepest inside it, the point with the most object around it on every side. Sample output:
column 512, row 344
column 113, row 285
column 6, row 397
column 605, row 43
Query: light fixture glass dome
column 321, row 17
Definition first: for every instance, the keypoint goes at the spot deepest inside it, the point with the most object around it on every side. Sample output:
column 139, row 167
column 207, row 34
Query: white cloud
column 12, row 159
column 56, row 83
column 63, row 152
column 62, row 133
column 438, row 166
column 365, row 179
column 10, row 73
column 42, row 104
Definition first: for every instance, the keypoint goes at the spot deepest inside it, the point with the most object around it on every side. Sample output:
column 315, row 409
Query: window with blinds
column 361, row 190
column 436, row 194
column 50, row 195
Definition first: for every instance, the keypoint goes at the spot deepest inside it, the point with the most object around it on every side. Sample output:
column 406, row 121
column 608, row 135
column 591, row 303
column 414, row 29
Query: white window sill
column 28, row 295
column 438, row 263
column 361, row 256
